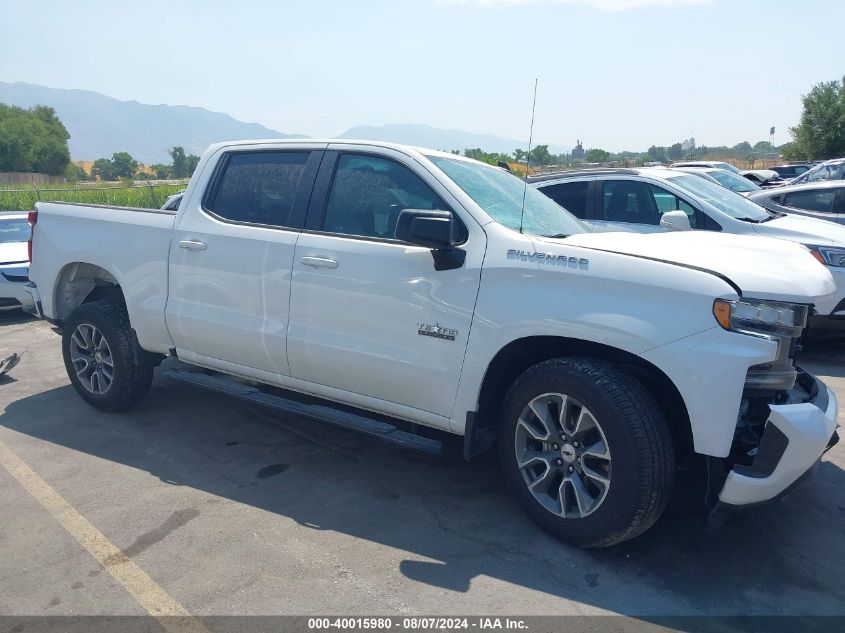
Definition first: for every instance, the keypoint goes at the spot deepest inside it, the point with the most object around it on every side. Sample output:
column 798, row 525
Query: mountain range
column 435, row 138
column 100, row 125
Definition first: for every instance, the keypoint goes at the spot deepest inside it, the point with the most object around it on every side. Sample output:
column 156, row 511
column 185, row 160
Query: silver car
column 828, row 170
column 706, row 164
column 14, row 261
column 723, row 177
column 824, row 200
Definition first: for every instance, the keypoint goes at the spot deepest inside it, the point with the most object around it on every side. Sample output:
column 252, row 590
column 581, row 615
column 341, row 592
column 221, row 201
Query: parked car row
column 779, row 175
column 654, row 199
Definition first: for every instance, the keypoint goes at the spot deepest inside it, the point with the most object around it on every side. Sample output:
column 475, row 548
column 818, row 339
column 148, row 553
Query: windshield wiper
column 556, row 236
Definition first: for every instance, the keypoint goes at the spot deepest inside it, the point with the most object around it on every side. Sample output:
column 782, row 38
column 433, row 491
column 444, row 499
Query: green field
column 24, row 197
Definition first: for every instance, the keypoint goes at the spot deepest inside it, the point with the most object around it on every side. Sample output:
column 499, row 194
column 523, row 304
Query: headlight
column 777, row 321
column 830, row 256
column 760, row 316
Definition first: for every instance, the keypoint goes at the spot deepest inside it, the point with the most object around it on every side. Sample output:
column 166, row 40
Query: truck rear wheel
column 97, row 350
column 586, row 450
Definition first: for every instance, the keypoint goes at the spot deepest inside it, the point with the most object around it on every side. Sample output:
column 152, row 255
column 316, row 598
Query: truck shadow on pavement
column 451, row 520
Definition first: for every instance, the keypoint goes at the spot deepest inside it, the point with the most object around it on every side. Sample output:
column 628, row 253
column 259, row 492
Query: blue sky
column 618, row 74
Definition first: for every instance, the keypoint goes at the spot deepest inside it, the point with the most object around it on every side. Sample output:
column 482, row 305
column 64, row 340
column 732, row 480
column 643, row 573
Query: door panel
column 371, row 315
column 230, row 276
column 357, row 326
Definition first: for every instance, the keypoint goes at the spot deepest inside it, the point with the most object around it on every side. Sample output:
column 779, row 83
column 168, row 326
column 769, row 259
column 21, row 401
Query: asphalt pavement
column 204, row 504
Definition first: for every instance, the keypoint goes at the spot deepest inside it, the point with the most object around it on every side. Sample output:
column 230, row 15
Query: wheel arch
column 520, row 354
column 82, row 282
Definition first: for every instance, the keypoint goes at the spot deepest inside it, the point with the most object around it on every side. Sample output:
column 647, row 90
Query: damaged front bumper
column 794, row 438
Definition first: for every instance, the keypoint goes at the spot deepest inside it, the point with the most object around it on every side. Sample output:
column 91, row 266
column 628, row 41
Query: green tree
column 123, row 165
column 675, row 152
column 518, row 154
column 597, row 156
column 191, row 161
column 33, row 140
column 540, row 155
column 180, row 162
column 821, row 131
column 792, row 152
column 103, row 169
column 74, row 172
column 656, row 154
column 162, row 172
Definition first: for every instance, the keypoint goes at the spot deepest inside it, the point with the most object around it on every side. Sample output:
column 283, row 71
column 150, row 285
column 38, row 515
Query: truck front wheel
column 586, row 450
column 97, row 350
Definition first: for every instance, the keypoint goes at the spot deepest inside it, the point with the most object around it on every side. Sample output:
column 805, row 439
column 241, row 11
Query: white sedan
column 14, row 261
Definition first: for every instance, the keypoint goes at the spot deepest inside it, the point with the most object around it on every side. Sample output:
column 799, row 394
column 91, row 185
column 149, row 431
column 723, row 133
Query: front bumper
column 795, row 437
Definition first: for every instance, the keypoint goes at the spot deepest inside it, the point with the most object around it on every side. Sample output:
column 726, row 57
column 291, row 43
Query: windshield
column 13, row 231
column 500, row 194
column 823, row 171
column 727, row 166
column 723, row 199
column 732, row 181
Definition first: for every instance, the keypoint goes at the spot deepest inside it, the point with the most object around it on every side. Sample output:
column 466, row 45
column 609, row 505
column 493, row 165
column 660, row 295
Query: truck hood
column 800, row 228
column 761, row 267
column 13, row 252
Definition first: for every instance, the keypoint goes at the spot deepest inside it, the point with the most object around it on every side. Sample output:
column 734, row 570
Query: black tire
column 130, row 382
column 636, row 433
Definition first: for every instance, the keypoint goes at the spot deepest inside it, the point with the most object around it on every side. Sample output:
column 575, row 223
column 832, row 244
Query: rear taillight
column 32, row 218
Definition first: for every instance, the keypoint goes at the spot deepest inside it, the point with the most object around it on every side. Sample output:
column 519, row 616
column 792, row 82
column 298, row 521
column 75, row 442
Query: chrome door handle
column 193, row 245
column 319, row 262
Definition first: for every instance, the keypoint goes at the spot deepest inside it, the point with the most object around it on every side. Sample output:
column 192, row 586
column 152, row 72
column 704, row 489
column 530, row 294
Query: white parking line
column 172, row 616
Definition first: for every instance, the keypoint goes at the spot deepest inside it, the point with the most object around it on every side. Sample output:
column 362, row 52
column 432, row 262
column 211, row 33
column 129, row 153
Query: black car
column 788, row 172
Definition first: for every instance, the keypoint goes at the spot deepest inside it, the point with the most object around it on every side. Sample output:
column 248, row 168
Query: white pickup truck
column 388, row 288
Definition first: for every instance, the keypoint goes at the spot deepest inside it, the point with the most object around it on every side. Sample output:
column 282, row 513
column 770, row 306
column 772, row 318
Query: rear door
column 370, row 315
column 823, row 203
column 231, row 257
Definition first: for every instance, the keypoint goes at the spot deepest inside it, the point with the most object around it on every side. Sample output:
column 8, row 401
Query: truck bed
column 131, row 244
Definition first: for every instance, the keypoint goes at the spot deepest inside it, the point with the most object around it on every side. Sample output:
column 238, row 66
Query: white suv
column 653, row 199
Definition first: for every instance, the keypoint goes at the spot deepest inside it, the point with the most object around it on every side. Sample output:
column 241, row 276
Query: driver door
column 370, row 317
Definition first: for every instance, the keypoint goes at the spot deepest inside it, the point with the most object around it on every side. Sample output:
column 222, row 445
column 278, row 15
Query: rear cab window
column 258, row 187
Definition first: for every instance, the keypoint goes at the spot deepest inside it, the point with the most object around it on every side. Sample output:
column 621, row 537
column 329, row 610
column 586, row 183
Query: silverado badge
column 424, row 329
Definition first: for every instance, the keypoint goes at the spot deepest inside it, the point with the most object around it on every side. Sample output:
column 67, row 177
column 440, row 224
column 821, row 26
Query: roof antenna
column 528, row 157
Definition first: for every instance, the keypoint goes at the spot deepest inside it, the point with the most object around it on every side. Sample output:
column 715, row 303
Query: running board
column 322, row 413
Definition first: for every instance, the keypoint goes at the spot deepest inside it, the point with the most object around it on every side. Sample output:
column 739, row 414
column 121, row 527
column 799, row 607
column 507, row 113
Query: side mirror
column 675, row 221
column 433, row 229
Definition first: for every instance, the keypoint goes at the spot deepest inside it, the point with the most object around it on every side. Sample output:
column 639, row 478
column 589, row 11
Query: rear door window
column 822, row 200
column 572, row 196
column 258, row 187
